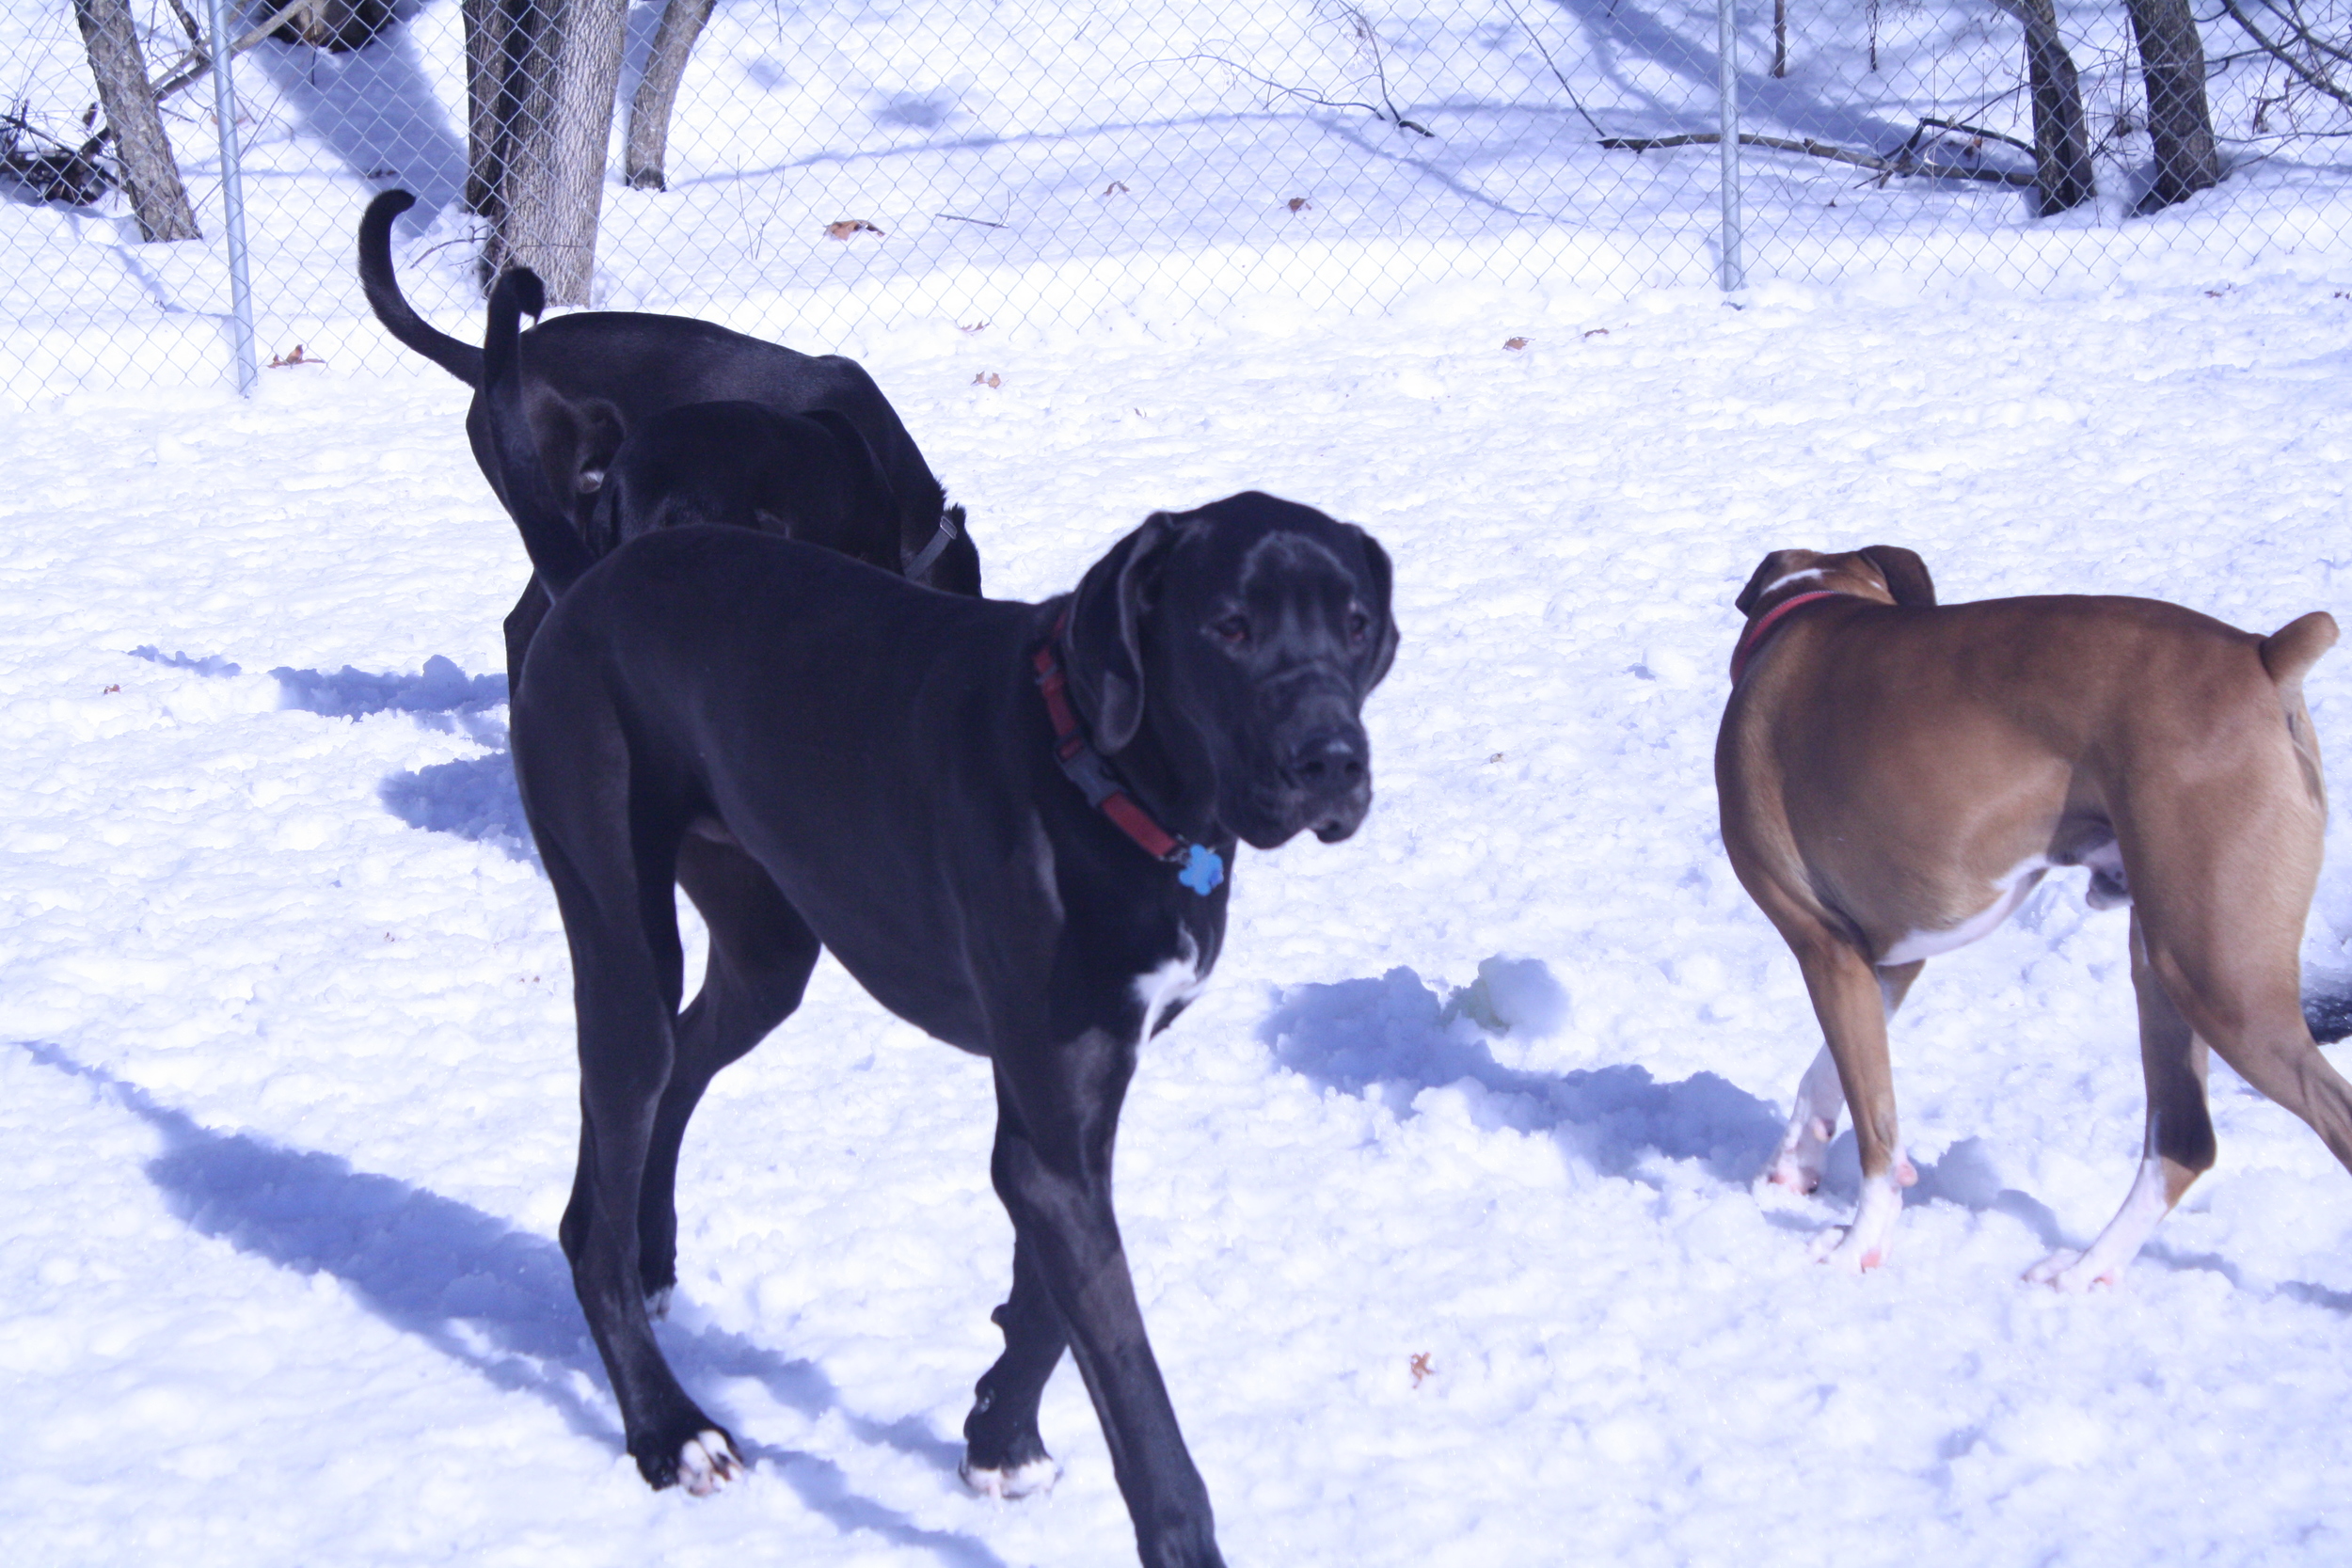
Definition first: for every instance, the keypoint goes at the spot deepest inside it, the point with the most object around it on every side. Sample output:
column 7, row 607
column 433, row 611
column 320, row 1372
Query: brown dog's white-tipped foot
column 1864, row 1244
column 707, row 1462
column 1034, row 1478
column 2105, row 1260
column 2072, row 1271
column 1796, row 1166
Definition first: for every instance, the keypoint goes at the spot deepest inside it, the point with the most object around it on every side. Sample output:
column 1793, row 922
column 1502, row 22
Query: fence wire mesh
column 823, row 168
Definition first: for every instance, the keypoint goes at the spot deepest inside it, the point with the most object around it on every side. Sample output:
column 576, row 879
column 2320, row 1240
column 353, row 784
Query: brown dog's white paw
column 1796, row 1166
column 2072, row 1271
column 1864, row 1244
column 707, row 1462
column 1020, row 1481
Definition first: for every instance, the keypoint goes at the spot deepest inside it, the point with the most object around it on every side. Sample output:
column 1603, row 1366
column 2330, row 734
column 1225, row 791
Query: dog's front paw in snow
column 705, row 1463
column 1020, row 1480
column 2072, row 1271
column 1864, row 1244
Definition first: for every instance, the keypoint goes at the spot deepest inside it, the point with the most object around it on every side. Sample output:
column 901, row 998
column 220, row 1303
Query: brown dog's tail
column 460, row 359
column 2297, row 646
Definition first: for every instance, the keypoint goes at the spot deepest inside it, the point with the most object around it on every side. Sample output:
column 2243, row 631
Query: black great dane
column 1013, row 823
column 592, row 380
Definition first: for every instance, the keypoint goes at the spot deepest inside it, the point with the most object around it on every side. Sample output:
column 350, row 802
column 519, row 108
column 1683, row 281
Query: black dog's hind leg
column 620, row 914
column 761, row 954
column 1058, row 1114
column 1003, row 1454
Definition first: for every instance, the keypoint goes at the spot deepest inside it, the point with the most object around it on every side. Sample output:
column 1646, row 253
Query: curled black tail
column 557, row 553
column 461, row 359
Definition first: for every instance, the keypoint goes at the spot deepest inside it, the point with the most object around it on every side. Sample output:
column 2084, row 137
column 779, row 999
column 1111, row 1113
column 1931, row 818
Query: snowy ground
column 286, row 1107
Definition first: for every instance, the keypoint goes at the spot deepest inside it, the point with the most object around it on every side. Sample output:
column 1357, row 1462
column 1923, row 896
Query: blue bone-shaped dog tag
column 1202, row 869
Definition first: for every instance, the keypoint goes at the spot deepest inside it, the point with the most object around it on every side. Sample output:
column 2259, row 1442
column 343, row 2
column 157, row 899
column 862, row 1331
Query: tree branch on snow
column 1901, row 163
column 1574, row 101
column 1360, row 26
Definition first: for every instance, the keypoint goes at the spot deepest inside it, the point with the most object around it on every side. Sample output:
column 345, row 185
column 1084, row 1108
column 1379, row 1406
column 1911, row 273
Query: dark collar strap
column 1092, row 773
column 1761, row 628
column 930, row 552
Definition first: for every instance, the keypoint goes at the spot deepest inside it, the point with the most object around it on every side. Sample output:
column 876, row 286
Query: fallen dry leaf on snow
column 988, row 378
column 1299, row 204
column 844, row 228
column 1514, row 344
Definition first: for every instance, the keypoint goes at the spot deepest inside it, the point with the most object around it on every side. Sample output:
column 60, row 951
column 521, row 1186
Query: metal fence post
column 1727, row 76
column 233, row 197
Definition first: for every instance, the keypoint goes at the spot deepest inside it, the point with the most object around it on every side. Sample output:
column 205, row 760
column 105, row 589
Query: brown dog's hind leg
column 2179, row 1146
column 1820, row 1102
column 1853, row 1008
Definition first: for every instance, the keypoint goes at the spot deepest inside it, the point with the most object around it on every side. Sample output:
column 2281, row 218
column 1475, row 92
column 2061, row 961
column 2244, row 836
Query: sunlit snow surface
column 287, row 1109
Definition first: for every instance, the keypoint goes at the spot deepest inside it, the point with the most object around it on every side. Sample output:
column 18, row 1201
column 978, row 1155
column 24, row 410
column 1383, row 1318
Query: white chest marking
column 2009, row 892
column 1172, row 983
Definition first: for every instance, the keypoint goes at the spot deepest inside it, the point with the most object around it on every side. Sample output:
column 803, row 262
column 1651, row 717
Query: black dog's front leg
column 1057, row 1109
column 1004, row 1453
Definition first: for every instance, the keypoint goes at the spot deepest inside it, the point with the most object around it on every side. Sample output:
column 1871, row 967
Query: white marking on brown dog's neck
column 1786, row 577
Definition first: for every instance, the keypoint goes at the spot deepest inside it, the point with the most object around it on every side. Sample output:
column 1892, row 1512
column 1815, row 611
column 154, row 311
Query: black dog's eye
column 1358, row 625
column 1233, row 630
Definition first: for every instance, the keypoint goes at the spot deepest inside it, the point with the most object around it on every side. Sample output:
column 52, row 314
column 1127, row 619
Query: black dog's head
column 1222, row 657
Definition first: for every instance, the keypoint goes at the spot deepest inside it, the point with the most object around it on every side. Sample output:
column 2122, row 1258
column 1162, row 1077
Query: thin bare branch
column 1835, row 153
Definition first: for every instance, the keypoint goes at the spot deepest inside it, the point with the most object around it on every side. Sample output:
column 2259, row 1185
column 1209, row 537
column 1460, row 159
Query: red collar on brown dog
column 1762, row 626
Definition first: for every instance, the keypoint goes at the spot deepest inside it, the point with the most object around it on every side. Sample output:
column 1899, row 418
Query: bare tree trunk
column 1780, row 39
column 2172, row 64
column 553, row 189
column 2062, row 175
column 145, row 152
column 657, row 93
column 490, row 49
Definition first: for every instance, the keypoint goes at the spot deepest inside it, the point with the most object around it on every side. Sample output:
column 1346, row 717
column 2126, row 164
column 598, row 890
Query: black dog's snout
column 1329, row 760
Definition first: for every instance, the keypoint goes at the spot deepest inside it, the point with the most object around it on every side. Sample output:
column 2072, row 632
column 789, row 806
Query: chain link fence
column 826, row 168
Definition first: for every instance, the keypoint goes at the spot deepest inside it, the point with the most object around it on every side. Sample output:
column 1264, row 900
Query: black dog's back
column 809, row 477
column 595, row 378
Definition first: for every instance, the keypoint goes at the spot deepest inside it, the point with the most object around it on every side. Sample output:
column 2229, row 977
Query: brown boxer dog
column 1897, row 776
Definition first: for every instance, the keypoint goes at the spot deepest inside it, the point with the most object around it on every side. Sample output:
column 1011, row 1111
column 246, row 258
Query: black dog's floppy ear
column 1768, row 571
column 870, row 486
column 1906, row 575
column 1103, row 639
column 1377, row 563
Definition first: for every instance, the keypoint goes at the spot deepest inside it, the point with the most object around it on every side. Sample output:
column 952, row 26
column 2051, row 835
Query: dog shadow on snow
column 493, row 1298
column 473, row 798
column 1391, row 1038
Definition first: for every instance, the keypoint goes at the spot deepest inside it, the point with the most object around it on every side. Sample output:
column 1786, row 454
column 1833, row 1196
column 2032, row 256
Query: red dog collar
column 1761, row 628
column 1087, row 767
